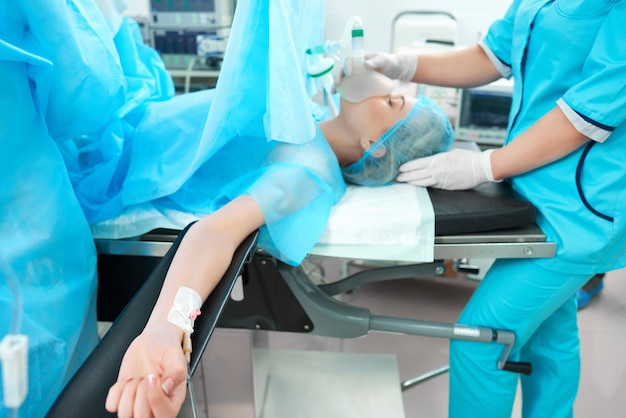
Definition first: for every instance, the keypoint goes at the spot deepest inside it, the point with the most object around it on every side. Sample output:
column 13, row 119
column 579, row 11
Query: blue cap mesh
column 426, row 130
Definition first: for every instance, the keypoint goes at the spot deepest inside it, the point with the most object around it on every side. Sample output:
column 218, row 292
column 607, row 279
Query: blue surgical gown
column 254, row 134
column 46, row 96
column 295, row 185
column 90, row 128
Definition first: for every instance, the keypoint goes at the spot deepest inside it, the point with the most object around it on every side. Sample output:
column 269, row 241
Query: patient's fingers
column 144, row 398
column 115, row 393
column 175, row 370
column 141, row 408
column 162, row 405
column 127, row 400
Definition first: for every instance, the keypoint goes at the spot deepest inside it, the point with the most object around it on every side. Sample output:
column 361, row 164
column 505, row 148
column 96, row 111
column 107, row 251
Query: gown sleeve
column 600, row 96
column 498, row 43
column 296, row 187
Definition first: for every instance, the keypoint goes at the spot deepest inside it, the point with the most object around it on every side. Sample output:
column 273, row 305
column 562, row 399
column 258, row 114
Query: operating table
column 487, row 222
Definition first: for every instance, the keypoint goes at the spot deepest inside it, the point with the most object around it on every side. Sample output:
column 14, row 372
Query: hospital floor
column 602, row 328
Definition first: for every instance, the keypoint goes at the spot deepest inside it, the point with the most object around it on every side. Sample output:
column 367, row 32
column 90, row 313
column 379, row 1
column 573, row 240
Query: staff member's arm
column 467, row 67
column 549, row 139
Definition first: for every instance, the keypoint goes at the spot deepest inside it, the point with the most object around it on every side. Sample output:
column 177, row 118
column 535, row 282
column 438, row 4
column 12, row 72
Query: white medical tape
column 186, row 308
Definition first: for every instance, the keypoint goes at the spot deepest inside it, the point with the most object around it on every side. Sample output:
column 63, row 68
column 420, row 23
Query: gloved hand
column 458, row 169
column 360, row 83
column 395, row 66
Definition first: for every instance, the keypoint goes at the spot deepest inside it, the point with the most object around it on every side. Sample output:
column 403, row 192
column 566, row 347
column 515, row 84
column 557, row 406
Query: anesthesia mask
column 362, row 83
column 347, row 55
column 359, row 82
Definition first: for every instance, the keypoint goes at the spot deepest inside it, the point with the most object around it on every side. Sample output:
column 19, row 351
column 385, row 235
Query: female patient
column 367, row 142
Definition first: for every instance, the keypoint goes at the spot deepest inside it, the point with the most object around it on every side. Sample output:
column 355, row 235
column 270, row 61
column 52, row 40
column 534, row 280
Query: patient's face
column 374, row 116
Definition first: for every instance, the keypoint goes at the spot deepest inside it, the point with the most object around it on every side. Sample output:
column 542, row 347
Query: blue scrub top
column 571, row 54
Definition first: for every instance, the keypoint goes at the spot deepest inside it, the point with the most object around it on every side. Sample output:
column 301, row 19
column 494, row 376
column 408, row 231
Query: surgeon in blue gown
column 46, row 97
column 565, row 153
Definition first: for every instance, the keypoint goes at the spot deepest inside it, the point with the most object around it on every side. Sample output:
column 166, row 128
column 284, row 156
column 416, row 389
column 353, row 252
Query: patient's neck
column 343, row 141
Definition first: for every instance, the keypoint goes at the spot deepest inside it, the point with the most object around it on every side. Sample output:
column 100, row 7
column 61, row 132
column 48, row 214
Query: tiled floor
column 602, row 328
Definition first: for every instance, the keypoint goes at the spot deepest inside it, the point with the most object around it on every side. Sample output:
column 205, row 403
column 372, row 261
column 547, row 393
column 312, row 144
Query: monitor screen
column 483, row 114
column 183, row 5
column 485, row 109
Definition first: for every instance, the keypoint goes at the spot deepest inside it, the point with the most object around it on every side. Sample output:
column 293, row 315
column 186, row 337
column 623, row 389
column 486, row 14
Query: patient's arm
column 152, row 377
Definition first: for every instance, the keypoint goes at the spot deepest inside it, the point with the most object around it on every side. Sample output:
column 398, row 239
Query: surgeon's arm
column 152, row 377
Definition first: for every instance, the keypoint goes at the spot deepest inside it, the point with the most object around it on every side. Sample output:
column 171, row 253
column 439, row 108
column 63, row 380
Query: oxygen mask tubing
column 347, row 53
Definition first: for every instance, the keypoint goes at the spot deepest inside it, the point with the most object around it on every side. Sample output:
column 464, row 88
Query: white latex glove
column 395, row 66
column 459, row 169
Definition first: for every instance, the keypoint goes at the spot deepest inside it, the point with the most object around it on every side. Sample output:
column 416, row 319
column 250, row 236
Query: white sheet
column 385, row 223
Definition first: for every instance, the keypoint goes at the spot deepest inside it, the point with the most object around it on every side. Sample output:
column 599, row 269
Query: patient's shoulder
column 315, row 155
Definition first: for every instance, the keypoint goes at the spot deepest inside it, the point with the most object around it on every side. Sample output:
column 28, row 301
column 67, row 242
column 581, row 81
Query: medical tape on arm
column 185, row 310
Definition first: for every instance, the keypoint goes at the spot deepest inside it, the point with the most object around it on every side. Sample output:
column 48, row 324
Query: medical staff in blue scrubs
column 62, row 95
column 565, row 153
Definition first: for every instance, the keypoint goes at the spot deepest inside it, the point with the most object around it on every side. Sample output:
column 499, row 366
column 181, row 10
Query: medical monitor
column 483, row 113
column 187, row 14
column 184, row 29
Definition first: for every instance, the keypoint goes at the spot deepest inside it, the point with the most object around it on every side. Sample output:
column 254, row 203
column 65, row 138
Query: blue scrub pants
column 539, row 306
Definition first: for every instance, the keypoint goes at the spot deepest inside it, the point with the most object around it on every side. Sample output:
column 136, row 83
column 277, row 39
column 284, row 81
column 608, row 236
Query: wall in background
column 473, row 17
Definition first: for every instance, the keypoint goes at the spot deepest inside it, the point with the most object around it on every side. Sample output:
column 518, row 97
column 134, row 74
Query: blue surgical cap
column 424, row 131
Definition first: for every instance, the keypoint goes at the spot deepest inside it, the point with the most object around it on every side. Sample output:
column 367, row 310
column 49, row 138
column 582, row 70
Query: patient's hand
column 152, row 377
